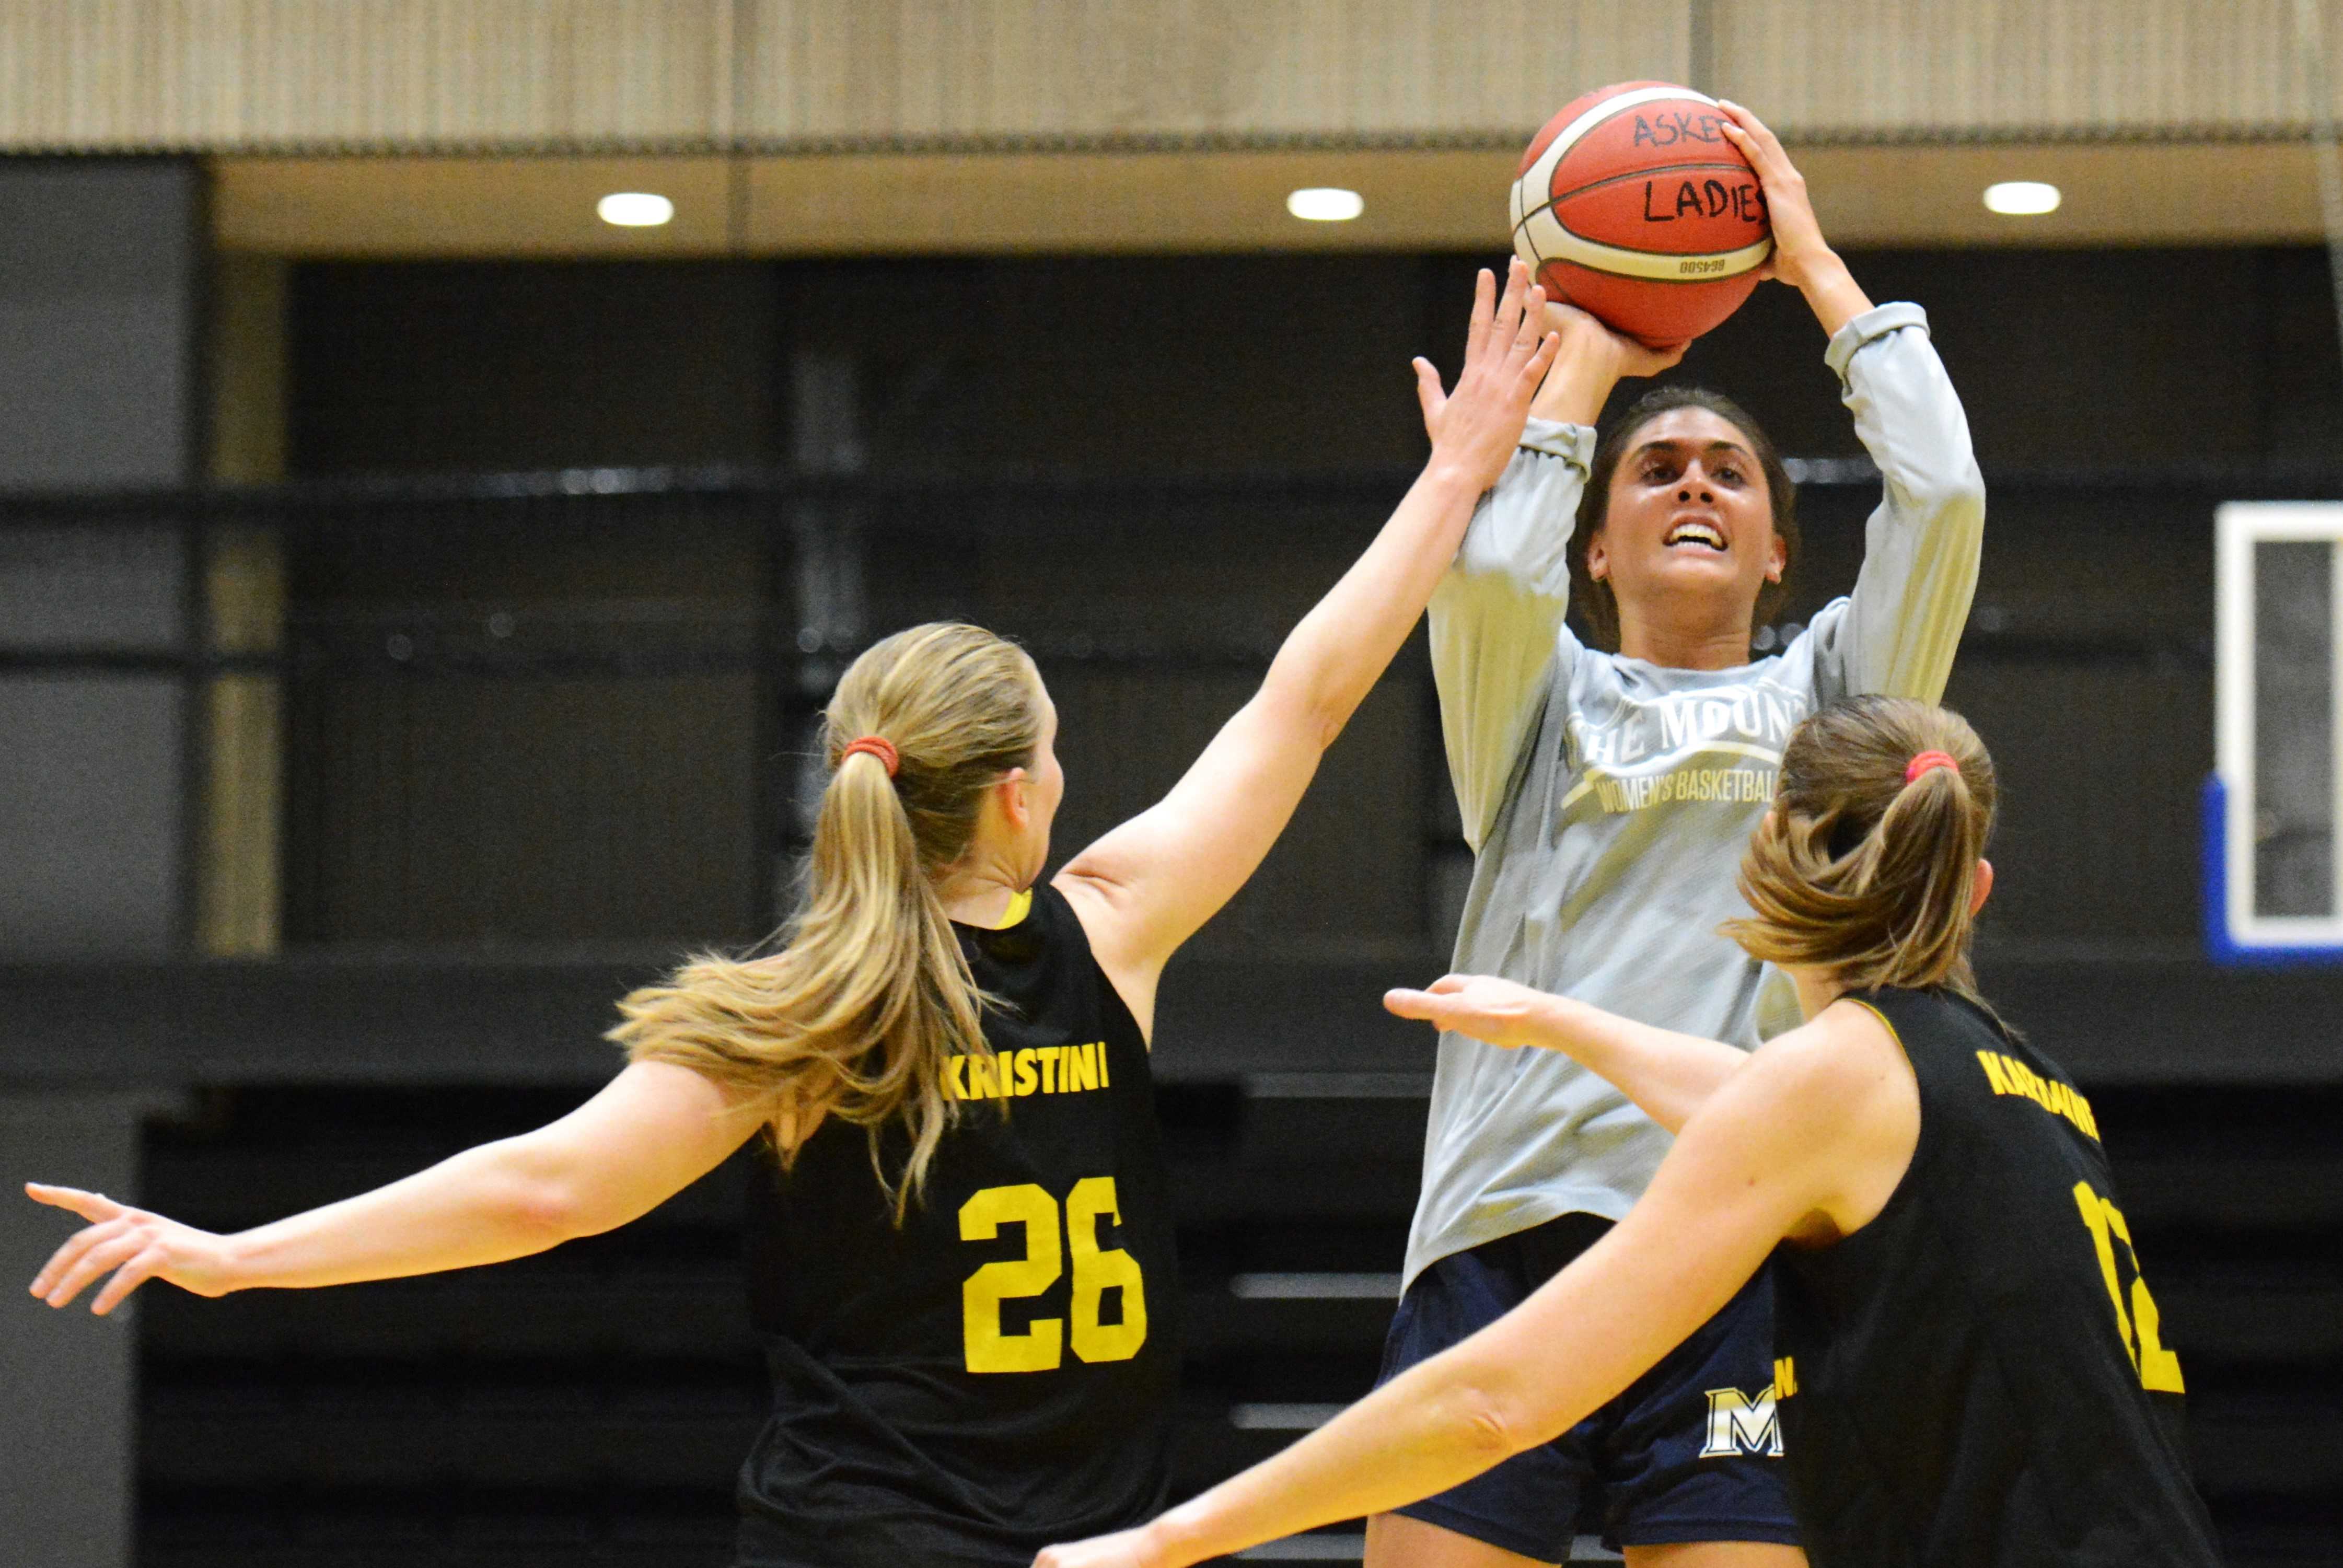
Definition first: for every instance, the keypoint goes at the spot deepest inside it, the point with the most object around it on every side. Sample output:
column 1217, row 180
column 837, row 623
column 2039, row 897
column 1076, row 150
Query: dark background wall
column 99, row 261
column 572, row 797
column 101, row 268
column 101, row 265
column 602, row 808
column 462, row 367
column 1163, row 365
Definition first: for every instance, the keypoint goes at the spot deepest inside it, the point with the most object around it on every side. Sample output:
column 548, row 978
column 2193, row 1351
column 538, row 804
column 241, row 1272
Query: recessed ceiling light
column 1326, row 204
column 2021, row 198
column 634, row 209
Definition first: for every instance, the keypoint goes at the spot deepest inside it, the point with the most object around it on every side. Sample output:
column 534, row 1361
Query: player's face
column 1689, row 515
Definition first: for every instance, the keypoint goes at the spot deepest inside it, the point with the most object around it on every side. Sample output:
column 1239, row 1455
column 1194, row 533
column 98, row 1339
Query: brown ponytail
column 868, row 994
column 1861, row 870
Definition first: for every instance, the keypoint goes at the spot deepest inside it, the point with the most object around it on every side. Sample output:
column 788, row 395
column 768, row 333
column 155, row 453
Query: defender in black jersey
column 962, row 1264
column 1004, row 1363
column 1979, row 1375
column 1970, row 1370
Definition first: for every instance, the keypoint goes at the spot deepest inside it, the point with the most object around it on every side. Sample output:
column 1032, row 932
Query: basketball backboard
column 2274, row 808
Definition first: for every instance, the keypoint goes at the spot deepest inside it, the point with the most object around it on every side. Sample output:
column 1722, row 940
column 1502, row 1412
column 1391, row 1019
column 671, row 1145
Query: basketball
column 1633, row 205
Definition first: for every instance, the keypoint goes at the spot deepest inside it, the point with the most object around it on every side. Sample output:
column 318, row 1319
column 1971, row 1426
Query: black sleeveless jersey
column 1001, row 1371
column 1978, row 1377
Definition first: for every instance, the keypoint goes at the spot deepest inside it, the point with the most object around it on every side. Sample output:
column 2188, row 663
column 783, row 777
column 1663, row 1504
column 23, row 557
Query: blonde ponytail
column 1866, row 868
column 867, row 995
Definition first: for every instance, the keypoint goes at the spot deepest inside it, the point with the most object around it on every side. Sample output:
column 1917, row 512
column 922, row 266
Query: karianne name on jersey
column 2009, row 1076
column 1043, row 1070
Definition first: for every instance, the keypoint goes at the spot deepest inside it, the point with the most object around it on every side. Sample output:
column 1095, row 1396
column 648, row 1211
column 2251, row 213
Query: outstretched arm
column 1807, row 1143
column 1145, row 887
column 1669, row 1075
column 655, row 1130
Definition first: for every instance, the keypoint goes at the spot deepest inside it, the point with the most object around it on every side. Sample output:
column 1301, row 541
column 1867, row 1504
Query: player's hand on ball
column 1798, row 243
column 1125, row 1549
column 132, row 1245
column 1477, row 426
column 1584, row 335
column 1483, row 1006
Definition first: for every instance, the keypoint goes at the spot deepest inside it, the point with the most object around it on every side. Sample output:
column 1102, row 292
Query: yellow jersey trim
column 1019, row 905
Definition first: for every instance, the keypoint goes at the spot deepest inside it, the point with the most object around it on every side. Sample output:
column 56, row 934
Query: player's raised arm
column 1497, row 615
column 1669, row 1075
column 1902, row 626
column 1802, row 258
column 1807, row 1143
column 1147, row 886
column 652, row 1132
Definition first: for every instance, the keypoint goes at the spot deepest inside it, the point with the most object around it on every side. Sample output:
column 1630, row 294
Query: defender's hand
column 132, row 1244
column 1488, row 1009
column 1477, row 426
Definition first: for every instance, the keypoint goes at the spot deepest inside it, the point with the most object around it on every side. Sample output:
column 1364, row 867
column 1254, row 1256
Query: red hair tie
column 876, row 746
column 1928, row 760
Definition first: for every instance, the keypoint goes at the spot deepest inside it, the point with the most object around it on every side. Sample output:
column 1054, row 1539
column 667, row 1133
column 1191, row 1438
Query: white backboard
column 2274, row 814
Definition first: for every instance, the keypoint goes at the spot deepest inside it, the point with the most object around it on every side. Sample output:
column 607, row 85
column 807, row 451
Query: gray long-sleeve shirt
column 1608, row 799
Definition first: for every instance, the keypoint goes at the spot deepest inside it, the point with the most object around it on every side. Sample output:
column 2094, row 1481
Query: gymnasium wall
column 468, row 76
column 1107, row 365
column 2087, row 663
column 100, row 293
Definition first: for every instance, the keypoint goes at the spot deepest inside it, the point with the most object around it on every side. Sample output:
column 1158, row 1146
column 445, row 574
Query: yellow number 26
column 986, row 1347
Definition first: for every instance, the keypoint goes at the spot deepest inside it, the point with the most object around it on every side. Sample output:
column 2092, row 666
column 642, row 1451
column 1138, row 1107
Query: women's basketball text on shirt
column 1738, row 785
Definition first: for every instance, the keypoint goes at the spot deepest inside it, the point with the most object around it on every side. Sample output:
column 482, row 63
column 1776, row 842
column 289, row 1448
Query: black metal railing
column 631, row 575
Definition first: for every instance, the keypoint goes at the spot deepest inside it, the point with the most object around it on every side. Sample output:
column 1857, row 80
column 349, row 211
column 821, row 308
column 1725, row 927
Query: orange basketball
column 1632, row 206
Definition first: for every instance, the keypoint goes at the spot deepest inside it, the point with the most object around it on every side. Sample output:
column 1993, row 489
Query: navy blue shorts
column 1691, row 1451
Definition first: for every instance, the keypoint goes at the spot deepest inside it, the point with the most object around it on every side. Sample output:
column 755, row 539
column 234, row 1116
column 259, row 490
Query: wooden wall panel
column 128, row 74
column 788, row 76
column 1882, row 69
column 921, row 72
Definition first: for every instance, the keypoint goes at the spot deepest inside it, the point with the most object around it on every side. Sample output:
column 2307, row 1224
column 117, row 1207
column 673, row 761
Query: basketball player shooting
column 1607, row 795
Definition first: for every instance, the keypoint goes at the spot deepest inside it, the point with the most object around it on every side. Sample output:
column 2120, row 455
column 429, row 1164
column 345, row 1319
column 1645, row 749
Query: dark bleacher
column 2235, row 1201
column 590, row 1406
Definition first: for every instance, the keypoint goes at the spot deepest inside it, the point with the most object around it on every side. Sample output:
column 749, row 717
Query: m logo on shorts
column 1739, row 1423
